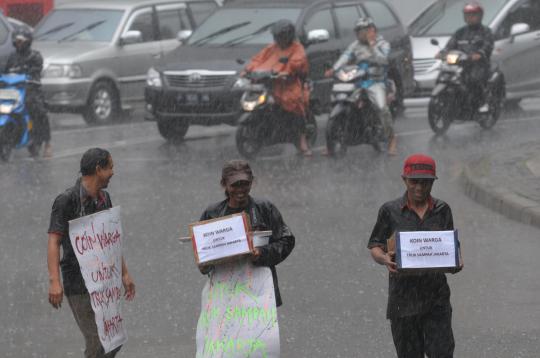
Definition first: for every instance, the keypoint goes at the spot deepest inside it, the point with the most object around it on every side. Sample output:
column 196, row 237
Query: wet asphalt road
column 334, row 295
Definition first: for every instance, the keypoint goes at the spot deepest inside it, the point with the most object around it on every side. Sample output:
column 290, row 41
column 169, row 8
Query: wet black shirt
column 30, row 63
column 263, row 216
column 67, row 207
column 471, row 39
column 413, row 293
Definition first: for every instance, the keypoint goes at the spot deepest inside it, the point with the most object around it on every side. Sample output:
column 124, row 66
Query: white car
column 516, row 28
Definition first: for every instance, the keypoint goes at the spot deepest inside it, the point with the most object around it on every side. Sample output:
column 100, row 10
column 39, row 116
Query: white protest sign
column 427, row 249
column 221, row 238
column 238, row 313
column 97, row 242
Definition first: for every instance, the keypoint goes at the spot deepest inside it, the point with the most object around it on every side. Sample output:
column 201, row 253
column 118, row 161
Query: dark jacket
column 263, row 216
column 471, row 39
column 30, row 63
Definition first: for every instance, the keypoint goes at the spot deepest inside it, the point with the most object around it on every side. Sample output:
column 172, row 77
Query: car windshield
column 79, row 25
column 229, row 27
column 444, row 17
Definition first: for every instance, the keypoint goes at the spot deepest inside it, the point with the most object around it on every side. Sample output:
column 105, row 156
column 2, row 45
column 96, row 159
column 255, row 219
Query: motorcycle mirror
column 240, row 61
column 434, row 42
column 284, row 60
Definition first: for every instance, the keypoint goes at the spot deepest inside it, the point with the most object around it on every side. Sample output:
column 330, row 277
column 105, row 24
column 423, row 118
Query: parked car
column 195, row 84
column 6, row 47
column 97, row 53
column 516, row 27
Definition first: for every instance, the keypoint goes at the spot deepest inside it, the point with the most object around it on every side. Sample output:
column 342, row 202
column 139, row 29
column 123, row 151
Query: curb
column 498, row 198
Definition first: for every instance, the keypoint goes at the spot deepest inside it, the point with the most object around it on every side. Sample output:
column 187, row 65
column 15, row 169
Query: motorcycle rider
column 373, row 48
column 289, row 91
column 27, row 61
column 477, row 41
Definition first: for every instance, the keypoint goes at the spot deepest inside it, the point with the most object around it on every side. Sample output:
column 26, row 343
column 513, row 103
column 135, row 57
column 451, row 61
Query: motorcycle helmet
column 473, row 8
column 364, row 23
column 284, row 33
column 22, row 39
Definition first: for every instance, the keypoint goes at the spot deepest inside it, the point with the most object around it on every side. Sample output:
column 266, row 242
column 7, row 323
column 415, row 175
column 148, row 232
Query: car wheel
column 103, row 104
column 174, row 129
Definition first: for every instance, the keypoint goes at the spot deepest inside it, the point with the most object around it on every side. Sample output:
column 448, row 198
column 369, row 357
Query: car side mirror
column 183, row 35
column 434, row 42
column 131, row 37
column 518, row 29
column 317, row 36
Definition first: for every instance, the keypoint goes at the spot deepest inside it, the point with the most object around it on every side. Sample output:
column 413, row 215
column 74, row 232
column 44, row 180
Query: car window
column 321, row 20
column 236, row 26
column 78, row 25
column 527, row 12
column 142, row 22
column 201, row 10
column 443, row 18
column 380, row 13
column 4, row 32
column 172, row 21
column 346, row 19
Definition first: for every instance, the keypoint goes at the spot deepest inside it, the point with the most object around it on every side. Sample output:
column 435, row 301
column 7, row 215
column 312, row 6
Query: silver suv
column 97, row 53
column 516, row 27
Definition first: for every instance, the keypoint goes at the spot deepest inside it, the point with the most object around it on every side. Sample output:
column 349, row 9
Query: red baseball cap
column 419, row 166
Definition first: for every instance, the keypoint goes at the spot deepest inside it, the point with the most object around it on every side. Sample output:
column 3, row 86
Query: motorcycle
column 15, row 122
column 354, row 119
column 264, row 122
column 451, row 101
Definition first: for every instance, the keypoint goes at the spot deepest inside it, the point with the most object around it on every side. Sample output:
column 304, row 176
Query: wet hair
column 93, row 158
column 234, row 166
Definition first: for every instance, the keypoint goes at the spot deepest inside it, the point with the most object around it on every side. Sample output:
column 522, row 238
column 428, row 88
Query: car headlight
column 153, row 78
column 241, row 82
column 62, row 71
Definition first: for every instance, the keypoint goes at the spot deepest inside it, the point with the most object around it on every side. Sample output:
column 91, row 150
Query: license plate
column 192, row 98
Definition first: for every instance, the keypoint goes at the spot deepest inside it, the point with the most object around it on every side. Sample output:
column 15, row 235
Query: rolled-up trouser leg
column 377, row 96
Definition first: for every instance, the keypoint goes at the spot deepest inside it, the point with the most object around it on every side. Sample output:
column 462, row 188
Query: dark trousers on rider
column 477, row 77
column 41, row 132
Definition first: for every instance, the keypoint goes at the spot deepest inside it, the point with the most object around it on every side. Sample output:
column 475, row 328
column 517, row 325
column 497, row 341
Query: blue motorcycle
column 15, row 122
column 353, row 120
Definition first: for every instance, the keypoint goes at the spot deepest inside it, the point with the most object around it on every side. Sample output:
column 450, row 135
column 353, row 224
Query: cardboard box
column 221, row 240
column 418, row 251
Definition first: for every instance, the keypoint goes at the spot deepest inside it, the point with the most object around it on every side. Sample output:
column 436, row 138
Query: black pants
column 430, row 334
column 477, row 76
column 38, row 114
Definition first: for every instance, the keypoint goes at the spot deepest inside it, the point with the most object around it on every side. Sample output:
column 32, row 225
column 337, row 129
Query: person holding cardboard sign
column 418, row 304
column 236, row 180
column 86, row 197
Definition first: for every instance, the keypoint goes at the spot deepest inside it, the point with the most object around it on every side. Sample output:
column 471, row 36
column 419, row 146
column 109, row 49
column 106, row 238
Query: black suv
column 195, row 83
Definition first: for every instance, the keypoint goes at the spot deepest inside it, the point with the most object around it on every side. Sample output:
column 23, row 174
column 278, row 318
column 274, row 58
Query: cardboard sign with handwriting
column 97, row 243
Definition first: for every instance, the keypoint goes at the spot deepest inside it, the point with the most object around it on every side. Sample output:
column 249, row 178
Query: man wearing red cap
column 418, row 304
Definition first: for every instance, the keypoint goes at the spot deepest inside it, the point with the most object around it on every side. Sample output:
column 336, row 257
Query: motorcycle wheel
column 336, row 135
column 495, row 102
column 438, row 117
column 247, row 143
column 5, row 145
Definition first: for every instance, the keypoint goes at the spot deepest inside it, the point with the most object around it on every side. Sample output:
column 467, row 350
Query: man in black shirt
column 236, row 180
column 418, row 304
column 86, row 197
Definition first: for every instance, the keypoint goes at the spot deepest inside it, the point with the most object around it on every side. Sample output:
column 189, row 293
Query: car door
column 346, row 15
column 5, row 44
column 136, row 58
column 171, row 18
column 518, row 55
column 321, row 55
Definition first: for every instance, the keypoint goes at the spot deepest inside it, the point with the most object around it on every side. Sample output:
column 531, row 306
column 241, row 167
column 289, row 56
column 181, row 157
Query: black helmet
column 363, row 23
column 23, row 37
column 284, row 32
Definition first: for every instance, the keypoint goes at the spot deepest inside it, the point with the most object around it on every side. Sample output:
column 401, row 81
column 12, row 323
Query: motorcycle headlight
column 7, row 108
column 62, row 71
column 452, row 59
column 347, row 76
column 249, row 106
column 153, row 78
